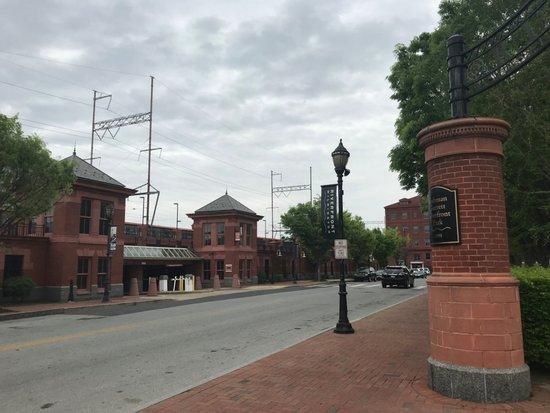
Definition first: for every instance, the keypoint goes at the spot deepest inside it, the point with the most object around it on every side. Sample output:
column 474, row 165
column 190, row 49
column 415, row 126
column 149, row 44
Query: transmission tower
column 285, row 190
column 99, row 129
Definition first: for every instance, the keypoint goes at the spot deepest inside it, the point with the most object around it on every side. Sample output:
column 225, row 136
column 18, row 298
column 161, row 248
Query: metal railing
column 23, row 230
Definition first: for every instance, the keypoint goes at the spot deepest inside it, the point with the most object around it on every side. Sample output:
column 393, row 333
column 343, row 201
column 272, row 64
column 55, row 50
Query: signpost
column 328, row 210
column 341, row 249
column 444, row 227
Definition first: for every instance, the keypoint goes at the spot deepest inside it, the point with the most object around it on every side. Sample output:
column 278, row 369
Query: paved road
column 126, row 358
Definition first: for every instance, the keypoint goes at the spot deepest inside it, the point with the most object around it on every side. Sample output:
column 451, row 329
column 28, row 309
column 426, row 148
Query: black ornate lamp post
column 109, row 209
column 340, row 158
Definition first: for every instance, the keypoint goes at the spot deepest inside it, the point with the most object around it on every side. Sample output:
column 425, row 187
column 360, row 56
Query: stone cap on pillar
column 463, row 135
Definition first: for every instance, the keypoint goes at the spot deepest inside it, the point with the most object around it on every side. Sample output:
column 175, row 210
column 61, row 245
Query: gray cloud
column 256, row 86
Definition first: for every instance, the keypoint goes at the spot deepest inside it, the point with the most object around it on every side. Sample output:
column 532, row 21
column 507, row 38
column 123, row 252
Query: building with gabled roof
column 225, row 236
column 69, row 242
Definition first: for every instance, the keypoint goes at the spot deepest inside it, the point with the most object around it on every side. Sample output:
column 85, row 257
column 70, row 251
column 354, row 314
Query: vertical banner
column 328, row 210
column 112, row 239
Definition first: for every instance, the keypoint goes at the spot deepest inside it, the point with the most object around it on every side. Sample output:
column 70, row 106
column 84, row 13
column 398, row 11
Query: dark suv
column 397, row 275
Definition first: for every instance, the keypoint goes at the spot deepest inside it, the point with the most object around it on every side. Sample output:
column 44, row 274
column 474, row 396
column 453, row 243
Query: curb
column 64, row 310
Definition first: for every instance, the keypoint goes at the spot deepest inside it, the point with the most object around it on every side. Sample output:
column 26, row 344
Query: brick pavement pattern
column 380, row 368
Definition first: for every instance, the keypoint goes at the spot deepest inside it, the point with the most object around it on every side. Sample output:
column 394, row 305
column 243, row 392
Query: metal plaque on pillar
column 444, row 228
column 328, row 210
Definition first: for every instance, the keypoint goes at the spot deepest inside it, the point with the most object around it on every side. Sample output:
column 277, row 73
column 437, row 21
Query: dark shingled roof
column 225, row 203
column 84, row 170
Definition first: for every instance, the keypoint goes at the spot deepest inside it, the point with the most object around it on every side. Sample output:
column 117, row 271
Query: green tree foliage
column 18, row 288
column 360, row 240
column 30, row 180
column 420, row 85
column 305, row 226
column 387, row 243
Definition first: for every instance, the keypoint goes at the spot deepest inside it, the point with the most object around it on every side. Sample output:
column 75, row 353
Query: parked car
column 419, row 273
column 364, row 274
column 397, row 275
column 378, row 275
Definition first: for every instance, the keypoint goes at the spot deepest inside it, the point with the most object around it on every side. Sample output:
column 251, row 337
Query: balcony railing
column 23, row 230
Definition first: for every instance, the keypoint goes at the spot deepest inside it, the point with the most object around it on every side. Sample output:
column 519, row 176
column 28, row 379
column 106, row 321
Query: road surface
column 125, row 358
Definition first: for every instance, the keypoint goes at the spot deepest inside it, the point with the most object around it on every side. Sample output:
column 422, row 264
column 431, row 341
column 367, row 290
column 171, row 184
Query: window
column 393, row 215
column 206, row 270
column 32, row 226
column 415, row 228
column 249, row 234
column 241, row 269
column 220, row 269
column 207, row 234
column 220, row 233
column 242, row 234
column 104, row 223
column 403, row 215
column 428, row 256
column 405, row 229
column 186, row 235
column 82, row 272
column 415, row 215
column 248, row 268
column 426, row 228
column 427, row 242
column 416, row 257
column 416, row 243
column 101, row 272
column 48, row 224
column 85, row 215
column 132, row 230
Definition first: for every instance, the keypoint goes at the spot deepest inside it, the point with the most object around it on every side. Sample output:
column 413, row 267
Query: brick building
column 69, row 241
column 407, row 217
column 225, row 237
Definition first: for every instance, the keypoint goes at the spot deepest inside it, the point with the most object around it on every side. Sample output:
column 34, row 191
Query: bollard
column 236, row 283
column 134, row 290
column 71, row 290
column 216, row 282
column 198, row 283
column 152, row 287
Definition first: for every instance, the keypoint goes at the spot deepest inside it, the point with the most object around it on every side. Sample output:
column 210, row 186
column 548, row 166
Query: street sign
column 328, row 209
column 444, row 216
column 341, row 249
column 112, row 240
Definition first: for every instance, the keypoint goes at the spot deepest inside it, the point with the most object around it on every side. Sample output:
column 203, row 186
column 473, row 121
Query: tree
column 387, row 243
column 360, row 240
column 30, row 180
column 420, row 85
column 305, row 226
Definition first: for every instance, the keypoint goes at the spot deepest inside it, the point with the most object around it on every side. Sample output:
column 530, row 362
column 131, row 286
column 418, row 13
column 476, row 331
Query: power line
column 45, row 93
column 74, row 64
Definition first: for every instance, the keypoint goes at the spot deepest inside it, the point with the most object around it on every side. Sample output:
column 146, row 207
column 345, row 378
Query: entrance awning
column 140, row 252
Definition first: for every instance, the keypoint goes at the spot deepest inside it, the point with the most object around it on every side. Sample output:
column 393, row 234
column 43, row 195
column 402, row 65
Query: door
column 13, row 266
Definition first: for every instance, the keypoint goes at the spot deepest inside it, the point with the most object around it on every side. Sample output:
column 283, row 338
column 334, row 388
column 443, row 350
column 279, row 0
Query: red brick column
column 475, row 324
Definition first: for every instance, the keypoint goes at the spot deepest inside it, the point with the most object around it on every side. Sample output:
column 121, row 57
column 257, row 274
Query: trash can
column 189, row 282
column 163, row 283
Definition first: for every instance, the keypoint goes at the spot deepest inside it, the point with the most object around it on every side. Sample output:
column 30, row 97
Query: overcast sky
column 242, row 87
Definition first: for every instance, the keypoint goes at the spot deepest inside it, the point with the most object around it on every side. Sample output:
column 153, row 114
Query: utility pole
column 272, row 216
column 310, row 187
column 149, row 152
column 142, row 209
column 94, row 130
column 177, row 214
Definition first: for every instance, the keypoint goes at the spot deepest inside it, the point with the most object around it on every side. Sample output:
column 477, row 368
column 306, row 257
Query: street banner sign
column 112, row 239
column 328, row 210
column 341, row 249
column 444, row 227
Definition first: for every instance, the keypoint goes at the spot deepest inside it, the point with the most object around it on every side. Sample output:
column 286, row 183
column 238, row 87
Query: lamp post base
column 344, row 327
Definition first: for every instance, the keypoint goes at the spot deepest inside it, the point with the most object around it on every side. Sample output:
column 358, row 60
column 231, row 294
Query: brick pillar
column 476, row 343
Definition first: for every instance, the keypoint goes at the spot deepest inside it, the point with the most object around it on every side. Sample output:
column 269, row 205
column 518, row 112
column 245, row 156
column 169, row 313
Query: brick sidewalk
column 380, row 368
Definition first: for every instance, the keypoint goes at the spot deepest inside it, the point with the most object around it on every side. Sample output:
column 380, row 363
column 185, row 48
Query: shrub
column 534, row 291
column 18, row 288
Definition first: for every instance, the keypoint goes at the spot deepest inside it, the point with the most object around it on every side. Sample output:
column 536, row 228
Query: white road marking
column 365, row 286
column 420, row 287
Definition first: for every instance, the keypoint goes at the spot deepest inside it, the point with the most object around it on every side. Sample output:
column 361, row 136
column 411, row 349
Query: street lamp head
column 340, row 158
column 109, row 209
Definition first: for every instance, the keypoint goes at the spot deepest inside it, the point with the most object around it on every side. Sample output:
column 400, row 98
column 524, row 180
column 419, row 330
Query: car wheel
column 383, row 285
column 412, row 284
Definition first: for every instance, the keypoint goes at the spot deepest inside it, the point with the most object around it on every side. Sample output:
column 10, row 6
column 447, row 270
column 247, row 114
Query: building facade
column 225, row 237
column 411, row 222
column 69, row 242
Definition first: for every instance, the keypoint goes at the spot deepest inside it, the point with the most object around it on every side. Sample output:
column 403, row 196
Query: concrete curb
column 64, row 310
